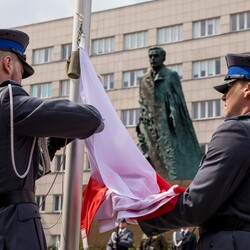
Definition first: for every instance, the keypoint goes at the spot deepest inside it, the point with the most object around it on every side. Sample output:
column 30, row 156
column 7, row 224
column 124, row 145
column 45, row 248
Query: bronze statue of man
column 165, row 131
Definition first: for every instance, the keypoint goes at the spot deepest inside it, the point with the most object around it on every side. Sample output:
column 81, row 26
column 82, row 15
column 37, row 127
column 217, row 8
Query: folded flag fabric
column 123, row 184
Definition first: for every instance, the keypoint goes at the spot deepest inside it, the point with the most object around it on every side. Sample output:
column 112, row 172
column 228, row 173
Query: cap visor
column 27, row 69
column 223, row 87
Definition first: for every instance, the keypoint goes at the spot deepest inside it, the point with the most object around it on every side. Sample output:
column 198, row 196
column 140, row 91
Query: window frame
column 205, row 68
column 66, row 50
column 40, row 201
column 57, row 203
column 64, row 87
column 59, row 163
column 206, row 27
column 135, row 40
column 132, row 78
column 108, row 81
column 41, row 90
column 208, row 109
column 42, row 55
column 170, row 34
column 237, row 19
column 103, row 45
column 130, row 117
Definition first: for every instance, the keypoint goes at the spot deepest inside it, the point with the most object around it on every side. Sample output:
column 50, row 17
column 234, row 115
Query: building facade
column 196, row 35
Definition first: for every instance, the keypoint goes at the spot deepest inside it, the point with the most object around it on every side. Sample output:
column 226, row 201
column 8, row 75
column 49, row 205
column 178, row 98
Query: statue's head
column 157, row 56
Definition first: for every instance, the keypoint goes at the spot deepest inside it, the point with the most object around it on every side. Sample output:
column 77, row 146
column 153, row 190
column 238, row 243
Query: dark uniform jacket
column 20, row 226
column 218, row 199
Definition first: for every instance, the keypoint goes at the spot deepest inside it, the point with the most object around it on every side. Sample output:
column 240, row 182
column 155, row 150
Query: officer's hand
column 55, row 144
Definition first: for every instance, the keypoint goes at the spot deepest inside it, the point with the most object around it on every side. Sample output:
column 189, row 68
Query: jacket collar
column 5, row 83
column 239, row 117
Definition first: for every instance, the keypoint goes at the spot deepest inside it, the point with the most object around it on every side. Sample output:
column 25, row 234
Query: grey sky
column 16, row 13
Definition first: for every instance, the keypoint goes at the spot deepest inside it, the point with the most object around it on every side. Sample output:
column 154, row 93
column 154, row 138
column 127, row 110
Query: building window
column 64, row 87
column 60, row 163
column 42, row 90
column 43, row 55
column 135, row 40
column 103, row 45
column 55, row 241
column 206, row 68
column 131, row 78
column 66, row 51
column 170, row 34
column 40, row 201
column 108, row 81
column 206, row 109
column 57, row 203
column 240, row 21
column 177, row 68
column 87, row 164
column 208, row 27
column 130, row 117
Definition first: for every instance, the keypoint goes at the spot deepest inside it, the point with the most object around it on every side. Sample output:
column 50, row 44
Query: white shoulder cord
column 175, row 242
column 12, row 140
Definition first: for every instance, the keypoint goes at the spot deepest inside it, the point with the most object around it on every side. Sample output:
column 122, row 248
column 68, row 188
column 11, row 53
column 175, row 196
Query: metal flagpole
column 72, row 193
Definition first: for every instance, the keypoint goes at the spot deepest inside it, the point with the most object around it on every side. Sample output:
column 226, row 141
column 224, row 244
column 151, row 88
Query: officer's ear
column 247, row 90
column 7, row 64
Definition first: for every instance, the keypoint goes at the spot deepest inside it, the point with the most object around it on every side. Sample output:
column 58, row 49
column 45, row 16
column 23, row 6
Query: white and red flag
column 123, row 184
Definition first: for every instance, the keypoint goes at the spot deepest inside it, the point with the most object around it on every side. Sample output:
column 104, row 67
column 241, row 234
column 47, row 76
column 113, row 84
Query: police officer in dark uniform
column 218, row 199
column 25, row 123
column 122, row 239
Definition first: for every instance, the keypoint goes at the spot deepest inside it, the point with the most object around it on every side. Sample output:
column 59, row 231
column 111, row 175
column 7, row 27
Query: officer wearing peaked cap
column 16, row 41
column 217, row 200
column 24, row 153
column 122, row 239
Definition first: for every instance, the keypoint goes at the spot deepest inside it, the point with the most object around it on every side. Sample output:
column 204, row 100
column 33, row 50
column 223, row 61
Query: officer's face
column 17, row 70
column 235, row 99
column 122, row 225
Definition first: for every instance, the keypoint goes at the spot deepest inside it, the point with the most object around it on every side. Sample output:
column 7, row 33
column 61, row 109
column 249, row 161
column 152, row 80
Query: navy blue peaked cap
column 238, row 69
column 16, row 41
